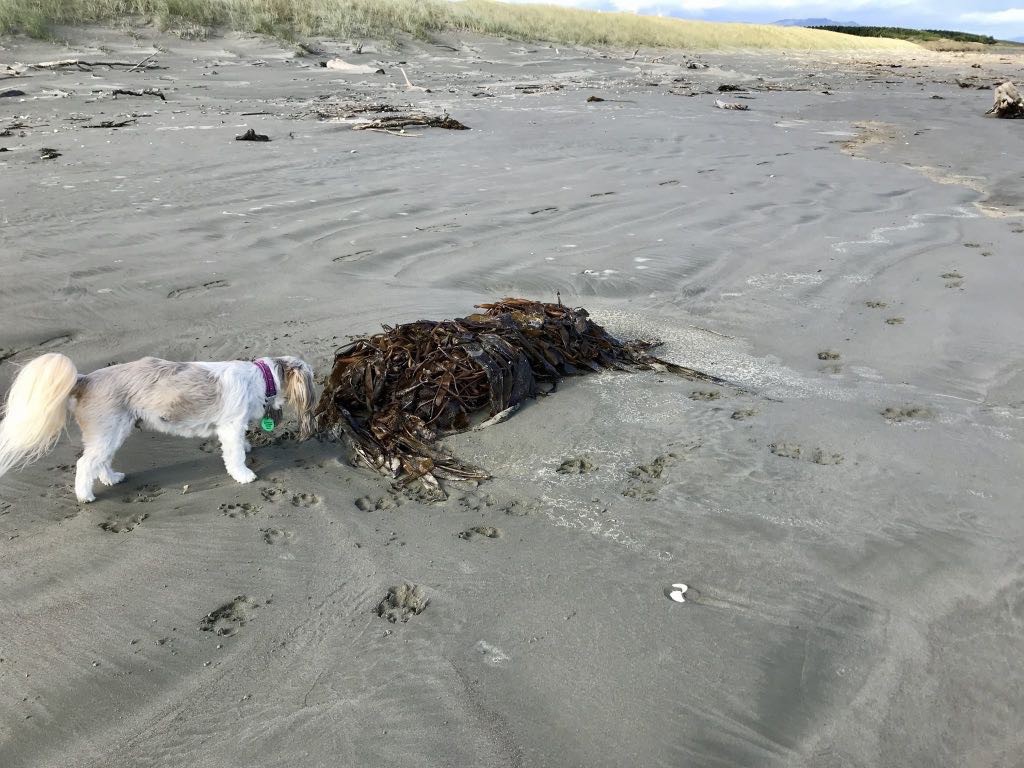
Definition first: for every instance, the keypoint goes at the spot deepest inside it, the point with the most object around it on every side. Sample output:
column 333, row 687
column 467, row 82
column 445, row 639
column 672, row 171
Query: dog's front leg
column 232, row 443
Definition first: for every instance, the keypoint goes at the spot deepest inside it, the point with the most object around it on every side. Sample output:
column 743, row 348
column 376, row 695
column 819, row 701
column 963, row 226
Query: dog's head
column 297, row 388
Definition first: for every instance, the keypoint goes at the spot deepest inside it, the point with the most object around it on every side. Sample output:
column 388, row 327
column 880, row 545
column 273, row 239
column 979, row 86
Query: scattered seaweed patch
column 394, row 394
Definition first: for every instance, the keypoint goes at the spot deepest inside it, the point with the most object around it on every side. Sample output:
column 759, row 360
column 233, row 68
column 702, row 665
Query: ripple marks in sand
column 878, row 235
column 177, row 293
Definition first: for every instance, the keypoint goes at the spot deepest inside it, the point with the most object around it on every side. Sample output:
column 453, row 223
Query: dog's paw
column 112, row 478
column 86, row 499
column 244, row 477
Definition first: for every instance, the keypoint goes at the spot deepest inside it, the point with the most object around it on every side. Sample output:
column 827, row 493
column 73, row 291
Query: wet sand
column 847, row 517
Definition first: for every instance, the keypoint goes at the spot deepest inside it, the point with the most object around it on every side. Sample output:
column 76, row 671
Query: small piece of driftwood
column 143, row 92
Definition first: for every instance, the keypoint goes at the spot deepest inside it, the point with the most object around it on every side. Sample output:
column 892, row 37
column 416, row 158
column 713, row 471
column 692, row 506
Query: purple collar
column 268, row 378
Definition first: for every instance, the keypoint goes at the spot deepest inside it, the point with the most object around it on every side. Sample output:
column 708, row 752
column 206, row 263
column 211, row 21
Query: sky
column 999, row 18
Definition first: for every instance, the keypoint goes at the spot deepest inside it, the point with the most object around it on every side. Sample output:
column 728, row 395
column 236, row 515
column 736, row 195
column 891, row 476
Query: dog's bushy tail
column 36, row 409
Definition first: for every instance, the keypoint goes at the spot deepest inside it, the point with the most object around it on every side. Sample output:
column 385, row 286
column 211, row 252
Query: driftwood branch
column 391, row 132
column 142, row 62
column 86, row 65
column 398, row 122
column 144, row 92
column 409, row 86
column 112, row 123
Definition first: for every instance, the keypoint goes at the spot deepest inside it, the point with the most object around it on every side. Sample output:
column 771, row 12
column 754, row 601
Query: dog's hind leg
column 232, row 443
column 107, row 475
column 101, row 443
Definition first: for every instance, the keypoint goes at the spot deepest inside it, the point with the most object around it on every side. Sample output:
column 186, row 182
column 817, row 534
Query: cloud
column 695, row 7
column 994, row 18
column 984, row 16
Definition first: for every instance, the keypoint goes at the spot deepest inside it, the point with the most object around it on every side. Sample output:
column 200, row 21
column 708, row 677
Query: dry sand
column 851, row 528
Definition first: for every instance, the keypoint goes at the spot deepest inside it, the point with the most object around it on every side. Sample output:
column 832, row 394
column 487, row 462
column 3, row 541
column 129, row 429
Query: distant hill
column 914, row 35
column 814, row 23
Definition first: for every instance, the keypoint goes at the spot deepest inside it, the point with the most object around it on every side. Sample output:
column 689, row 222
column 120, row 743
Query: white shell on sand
column 677, row 595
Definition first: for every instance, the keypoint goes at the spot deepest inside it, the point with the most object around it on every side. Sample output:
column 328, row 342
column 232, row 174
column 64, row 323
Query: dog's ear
column 298, row 390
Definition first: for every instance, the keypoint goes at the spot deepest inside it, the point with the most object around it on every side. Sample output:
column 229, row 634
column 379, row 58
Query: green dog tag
column 267, row 424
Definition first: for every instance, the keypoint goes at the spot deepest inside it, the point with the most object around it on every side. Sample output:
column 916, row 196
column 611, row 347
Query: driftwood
column 143, row 92
column 87, row 65
column 332, row 110
column 408, row 83
column 397, row 123
column 341, row 65
column 394, row 394
column 112, row 123
column 1007, row 102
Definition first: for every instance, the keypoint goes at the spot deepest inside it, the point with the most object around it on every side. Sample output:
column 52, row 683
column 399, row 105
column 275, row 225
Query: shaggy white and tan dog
column 186, row 399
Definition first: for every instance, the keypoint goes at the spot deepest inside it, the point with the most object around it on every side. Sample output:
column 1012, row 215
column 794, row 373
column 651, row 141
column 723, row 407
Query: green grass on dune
column 383, row 19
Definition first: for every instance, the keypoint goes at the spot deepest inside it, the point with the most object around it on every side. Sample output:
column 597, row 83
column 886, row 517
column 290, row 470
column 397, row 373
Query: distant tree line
column 912, row 34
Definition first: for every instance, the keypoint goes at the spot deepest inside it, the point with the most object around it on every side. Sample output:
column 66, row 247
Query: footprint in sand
column 828, row 354
column 230, row 617
column 480, row 531
column 208, row 446
column 381, row 503
column 270, row 493
column 476, row 501
column 242, row 509
column 953, row 279
column 575, row 466
column 813, row 455
column 820, row 456
column 894, row 321
column 116, row 524
column 402, row 602
column 876, row 304
column 907, row 413
column 276, row 535
column 743, row 413
column 646, row 479
column 517, row 508
column 705, row 394
column 305, row 500
column 192, row 289
column 143, row 494
column 786, row 450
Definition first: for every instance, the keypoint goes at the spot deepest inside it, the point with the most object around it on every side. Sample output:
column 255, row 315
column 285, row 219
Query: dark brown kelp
column 395, row 393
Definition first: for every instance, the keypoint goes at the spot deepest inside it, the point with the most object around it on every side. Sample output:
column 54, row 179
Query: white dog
column 187, row 399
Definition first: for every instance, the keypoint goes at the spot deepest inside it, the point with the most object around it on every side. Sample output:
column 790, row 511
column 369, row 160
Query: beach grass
column 385, row 19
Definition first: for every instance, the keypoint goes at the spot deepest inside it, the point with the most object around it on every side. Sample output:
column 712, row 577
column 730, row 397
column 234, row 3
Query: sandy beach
column 847, row 516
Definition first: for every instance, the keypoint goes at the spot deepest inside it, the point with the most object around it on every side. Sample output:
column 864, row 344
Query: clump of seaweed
column 395, row 393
